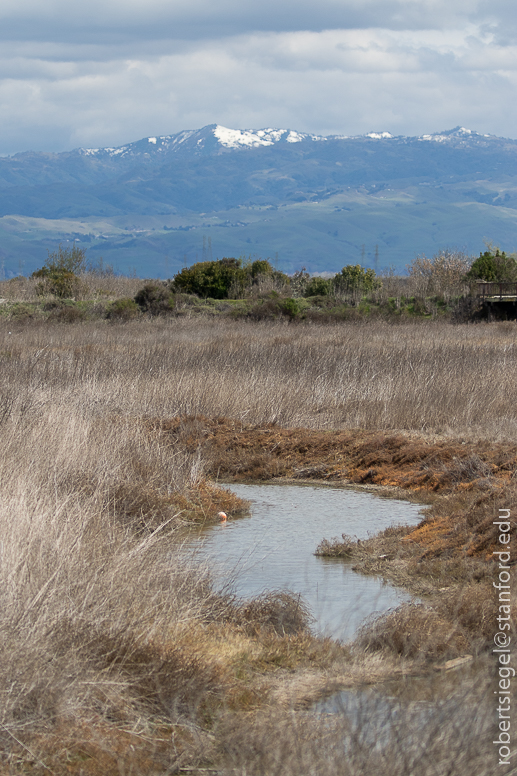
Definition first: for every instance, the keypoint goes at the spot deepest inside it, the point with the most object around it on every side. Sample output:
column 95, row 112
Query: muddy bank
column 464, row 483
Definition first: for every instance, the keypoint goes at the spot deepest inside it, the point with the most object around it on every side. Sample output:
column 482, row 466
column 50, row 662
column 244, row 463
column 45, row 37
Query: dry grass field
column 425, row 377
column 118, row 656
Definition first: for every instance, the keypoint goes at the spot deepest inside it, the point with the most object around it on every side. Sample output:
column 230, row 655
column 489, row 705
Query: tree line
column 61, row 275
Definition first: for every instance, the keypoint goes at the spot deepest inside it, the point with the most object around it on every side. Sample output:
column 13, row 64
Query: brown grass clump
column 336, row 548
column 282, row 613
column 414, row 631
column 455, row 620
column 206, row 499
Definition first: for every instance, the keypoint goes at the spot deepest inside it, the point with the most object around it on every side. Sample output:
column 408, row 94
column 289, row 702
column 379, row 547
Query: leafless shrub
column 443, row 274
column 336, row 548
column 468, row 469
column 282, row 612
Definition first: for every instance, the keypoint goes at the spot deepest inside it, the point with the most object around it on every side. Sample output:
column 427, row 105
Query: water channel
column 273, row 549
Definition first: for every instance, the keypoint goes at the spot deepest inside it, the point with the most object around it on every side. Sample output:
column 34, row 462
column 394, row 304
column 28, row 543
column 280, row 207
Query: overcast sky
column 100, row 73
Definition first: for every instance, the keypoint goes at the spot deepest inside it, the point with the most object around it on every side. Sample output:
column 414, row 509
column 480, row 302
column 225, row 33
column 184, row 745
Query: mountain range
column 158, row 204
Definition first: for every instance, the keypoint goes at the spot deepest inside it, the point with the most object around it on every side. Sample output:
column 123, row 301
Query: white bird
column 223, row 517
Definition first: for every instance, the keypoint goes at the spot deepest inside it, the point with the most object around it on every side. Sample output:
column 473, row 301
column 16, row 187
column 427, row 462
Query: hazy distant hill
column 297, row 198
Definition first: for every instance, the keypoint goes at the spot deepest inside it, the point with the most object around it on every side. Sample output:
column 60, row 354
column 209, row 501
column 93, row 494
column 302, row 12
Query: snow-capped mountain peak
column 215, row 138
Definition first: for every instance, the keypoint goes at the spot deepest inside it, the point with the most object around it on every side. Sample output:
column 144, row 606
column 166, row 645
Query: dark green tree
column 212, row 279
column 261, row 267
column 492, row 267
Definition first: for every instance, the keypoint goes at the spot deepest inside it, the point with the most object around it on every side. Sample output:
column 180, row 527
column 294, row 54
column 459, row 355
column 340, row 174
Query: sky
column 97, row 73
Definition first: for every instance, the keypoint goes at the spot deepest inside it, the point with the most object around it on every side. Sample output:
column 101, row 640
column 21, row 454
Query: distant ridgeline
column 162, row 203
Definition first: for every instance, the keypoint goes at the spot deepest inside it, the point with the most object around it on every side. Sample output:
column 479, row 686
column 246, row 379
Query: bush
column 355, row 278
column 22, row 312
column 123, row 310
column 265, row 309
column 60, row 283
column 59, row 274
column 318, row 287
column 291, row 307
column 212, row 279
column 226, row 278
column 67, row 314
column 155, row 299
column 444, row 273
column 261, row 267
column 414, row 631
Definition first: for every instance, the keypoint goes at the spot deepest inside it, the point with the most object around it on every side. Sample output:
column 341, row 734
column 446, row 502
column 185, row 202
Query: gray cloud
column 113, row 21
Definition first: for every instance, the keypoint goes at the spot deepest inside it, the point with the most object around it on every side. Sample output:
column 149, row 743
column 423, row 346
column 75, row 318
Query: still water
column 273, row 549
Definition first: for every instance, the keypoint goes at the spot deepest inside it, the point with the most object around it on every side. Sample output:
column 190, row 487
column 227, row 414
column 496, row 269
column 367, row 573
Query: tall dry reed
column 423, row 377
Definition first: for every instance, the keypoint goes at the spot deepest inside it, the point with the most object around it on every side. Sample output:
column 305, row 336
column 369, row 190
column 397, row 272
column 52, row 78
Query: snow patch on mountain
column 458, row 133
column 253, row 138
column 233, row 138
column 295, row 137
column 379, row 135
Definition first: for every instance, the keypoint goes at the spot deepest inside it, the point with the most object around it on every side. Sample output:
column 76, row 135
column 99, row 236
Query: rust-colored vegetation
column 472, row 479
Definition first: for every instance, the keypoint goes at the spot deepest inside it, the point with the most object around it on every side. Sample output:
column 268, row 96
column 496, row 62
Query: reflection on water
column 274, row 549
column 373, row 717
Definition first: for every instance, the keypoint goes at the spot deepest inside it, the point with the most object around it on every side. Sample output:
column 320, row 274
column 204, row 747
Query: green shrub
column 123, row 310
column 60, row 283
column 21, row 312
column 261, row 267
column 318, row 287
column 291, row 307
column 212, row 279
column 354, row 278
column 417, row 306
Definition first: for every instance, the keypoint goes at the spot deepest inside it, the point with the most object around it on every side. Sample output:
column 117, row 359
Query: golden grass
column 96, row 286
